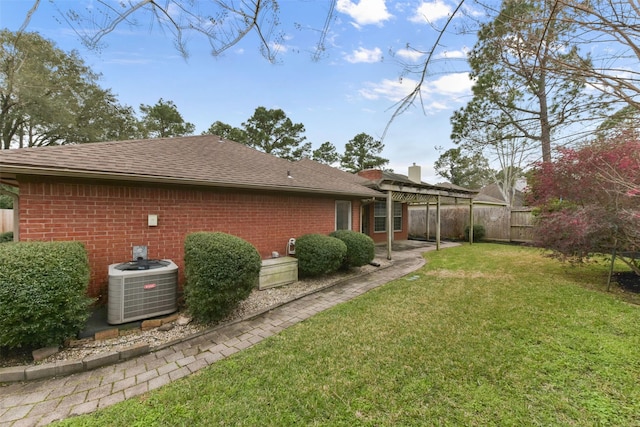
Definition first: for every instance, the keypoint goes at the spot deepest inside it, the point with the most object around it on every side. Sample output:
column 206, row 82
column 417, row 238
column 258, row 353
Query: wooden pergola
column 400, row 188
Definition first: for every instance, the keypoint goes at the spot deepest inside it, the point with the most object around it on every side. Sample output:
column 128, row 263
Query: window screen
column 343, row 215
column 380, row 216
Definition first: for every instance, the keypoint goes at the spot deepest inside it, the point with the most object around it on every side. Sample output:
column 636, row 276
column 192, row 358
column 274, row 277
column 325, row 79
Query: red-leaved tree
column 588, row 200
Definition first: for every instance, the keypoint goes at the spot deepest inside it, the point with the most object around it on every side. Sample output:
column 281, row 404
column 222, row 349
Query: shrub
column 43, row 288
column 6, row 201
column 478, row 232
column 319, row 254
column 220, row 270
column 6, row 237
column 360, row 247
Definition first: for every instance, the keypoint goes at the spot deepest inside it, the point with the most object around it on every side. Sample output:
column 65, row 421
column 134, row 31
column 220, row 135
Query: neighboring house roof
column 205, row 160
column 492, row 192
column 488, row 200
column 456, row 187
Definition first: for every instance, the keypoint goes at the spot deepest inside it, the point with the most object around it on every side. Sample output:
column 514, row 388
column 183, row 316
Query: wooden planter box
column 278, row 272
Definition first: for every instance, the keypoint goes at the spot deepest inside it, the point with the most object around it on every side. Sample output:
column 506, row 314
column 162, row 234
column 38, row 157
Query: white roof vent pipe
column 415, row 174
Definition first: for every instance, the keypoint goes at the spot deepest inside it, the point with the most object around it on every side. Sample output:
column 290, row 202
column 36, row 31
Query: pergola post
column 427, row 222
column 389, row 223
column 471, row 221
column 438, row 223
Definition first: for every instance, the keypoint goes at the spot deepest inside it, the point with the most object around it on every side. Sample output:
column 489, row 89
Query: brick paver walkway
column 38, row 403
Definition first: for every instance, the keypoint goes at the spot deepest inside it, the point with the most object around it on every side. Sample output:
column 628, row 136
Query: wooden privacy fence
column 501, row 223
column 6, row 220
column 521, row 227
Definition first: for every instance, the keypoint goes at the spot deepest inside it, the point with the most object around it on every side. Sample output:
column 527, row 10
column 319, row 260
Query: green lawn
column 482, row 335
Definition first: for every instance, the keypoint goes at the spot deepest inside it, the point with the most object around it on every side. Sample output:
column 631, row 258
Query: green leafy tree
column 557, row 34
column 7, row 195
column 163, row 120
column 50, row 97
column 517, row 92
column 624, row 120
column 362, row 153
column 227, row 131
column 272, row 132
column 466, row 171
column 326, row 153
column 303, row 151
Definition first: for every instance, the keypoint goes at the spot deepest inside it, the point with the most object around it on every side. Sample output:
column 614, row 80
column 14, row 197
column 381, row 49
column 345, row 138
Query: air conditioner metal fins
column 141, row 294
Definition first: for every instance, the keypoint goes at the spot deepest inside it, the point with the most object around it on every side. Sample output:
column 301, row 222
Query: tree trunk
column 545, row 127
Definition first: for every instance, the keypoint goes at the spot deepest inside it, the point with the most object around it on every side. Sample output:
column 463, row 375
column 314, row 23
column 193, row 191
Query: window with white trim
column 380, row 217
column 343, row 215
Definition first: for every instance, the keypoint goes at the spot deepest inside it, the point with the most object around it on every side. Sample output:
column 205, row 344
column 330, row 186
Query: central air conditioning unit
column 142, row 289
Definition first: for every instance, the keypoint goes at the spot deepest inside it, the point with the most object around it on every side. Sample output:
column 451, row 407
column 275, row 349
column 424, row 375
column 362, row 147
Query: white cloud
column 129, row 58
column 278, row 48
column 365, row 11
column 436, row 94
column 393, row 90
column 438, row 106
column 429, row 12
column 451, row 84
column 410, row 54
column 454, row 54
column 365, row 55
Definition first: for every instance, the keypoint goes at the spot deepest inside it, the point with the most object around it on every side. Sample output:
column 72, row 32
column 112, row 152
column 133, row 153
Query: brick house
column 113, row 196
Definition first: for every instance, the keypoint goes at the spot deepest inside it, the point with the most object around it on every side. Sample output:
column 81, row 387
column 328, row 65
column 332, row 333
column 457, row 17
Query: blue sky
column 353, row 88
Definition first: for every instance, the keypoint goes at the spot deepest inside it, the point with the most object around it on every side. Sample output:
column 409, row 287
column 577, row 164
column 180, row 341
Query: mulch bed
column 629, row 281
column 15, row 357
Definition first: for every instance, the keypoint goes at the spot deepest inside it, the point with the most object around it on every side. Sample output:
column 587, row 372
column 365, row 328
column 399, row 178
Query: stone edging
column 63, row 368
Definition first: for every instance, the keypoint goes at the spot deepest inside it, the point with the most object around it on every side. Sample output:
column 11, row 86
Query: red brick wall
column 111, row 219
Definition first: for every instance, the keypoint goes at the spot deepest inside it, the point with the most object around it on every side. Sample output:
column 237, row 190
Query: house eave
column 9, row 175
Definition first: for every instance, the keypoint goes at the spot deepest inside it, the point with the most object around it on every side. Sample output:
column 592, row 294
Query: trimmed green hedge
column 43, row 288
column 319, row 254
column 220, row 270
column 360, row 248
column 6, row 237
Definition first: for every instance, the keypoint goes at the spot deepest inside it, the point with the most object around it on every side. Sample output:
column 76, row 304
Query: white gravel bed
column 258, row 300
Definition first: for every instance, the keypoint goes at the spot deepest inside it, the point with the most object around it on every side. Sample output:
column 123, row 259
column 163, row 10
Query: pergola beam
column 420, row 193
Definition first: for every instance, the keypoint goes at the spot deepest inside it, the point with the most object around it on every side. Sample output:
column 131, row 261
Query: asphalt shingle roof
column 198, row 160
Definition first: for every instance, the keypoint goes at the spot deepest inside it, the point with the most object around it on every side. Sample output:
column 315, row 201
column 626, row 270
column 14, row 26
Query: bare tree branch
column 27, row 19
column 224, row 23
column 416, row 93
